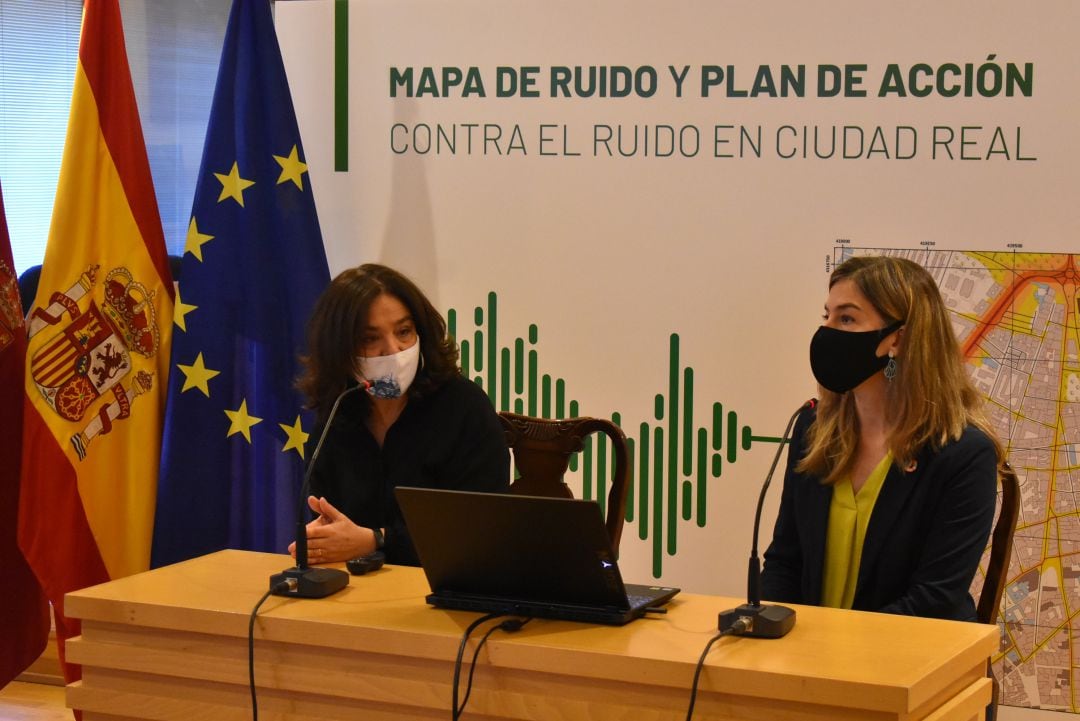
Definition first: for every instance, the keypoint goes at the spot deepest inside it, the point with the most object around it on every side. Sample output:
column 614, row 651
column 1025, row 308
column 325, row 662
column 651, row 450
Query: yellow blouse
column 849, row 515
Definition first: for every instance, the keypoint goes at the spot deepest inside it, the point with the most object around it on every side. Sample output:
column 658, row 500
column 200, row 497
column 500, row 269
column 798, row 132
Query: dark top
column 926, row 534
column 450, row 438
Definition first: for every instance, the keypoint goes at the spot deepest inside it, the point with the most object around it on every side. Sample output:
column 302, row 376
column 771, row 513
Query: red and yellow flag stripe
column 94, row 410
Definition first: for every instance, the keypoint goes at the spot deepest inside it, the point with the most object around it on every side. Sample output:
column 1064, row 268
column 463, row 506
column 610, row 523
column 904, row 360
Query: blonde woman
column 890, row 488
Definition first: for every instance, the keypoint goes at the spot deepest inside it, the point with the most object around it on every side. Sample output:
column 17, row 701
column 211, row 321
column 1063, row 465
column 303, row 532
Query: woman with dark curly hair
column 418, row 422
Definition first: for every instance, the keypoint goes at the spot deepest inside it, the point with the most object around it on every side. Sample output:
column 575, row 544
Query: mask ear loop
column 357, row 375
column 891, row 328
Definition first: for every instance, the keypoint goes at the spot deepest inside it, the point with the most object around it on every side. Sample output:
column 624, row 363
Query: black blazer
column 926, row 534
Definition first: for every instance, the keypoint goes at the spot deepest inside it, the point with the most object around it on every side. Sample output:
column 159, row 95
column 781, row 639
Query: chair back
column 997, row 568
column 542, row 448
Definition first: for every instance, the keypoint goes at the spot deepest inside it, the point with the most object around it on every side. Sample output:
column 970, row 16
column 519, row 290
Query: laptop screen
column 518, row 547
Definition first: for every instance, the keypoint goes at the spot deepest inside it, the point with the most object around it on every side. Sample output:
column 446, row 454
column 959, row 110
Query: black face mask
column 843, row 359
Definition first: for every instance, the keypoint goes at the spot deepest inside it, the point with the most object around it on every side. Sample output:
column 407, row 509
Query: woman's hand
column 332, row 537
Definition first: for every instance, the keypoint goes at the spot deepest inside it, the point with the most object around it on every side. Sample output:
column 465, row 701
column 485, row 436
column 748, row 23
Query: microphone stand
column 764, row 621
column 302, row 581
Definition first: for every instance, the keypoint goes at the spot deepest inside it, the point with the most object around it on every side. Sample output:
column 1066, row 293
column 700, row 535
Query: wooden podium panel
column 171, row 645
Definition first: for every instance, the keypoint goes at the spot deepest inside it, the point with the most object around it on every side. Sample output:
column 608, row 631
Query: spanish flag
column 98, row 342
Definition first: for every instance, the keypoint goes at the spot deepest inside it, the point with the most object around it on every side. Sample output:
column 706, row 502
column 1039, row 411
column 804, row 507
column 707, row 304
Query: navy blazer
column 923, row 543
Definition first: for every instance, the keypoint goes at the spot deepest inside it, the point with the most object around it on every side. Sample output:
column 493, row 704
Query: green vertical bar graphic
column 493, row 347
column 465, row 355
column 519, row 366
column 658, row 505
column 533, row 335
column 533, row 363
column 341, row 86
column 643, row 482
column 673, row 445
column 702, row 477
column 504, row 380
column 732, row 435
column 688, row 421
column 478, row 338
column 545, row 396
column 674, row 487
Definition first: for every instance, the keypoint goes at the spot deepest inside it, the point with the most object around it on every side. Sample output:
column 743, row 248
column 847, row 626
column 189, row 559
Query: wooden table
column 171, row 644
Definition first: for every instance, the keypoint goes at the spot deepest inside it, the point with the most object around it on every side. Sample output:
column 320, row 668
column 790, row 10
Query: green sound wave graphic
column 672, row 461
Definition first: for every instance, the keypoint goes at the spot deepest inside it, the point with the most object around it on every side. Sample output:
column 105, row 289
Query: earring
column 890, row 367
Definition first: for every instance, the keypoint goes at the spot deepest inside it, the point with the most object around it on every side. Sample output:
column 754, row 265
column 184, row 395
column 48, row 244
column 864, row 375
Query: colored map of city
column 1015, row 315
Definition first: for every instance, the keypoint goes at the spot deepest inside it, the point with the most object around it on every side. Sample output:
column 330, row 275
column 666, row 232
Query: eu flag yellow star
column 291, row 169
column 197, row 375
column 233, row 186
column 181, row 309
column 195, row 240
column 296, row 437
column 240, row 421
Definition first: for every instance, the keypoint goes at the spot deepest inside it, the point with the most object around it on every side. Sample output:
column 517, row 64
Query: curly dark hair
column 340, row 318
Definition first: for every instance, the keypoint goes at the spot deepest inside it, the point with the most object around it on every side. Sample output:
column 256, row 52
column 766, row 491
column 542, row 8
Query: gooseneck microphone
column 303, row 581
column 762, row 621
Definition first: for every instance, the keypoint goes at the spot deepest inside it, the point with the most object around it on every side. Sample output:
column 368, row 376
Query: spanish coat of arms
column 90, row 358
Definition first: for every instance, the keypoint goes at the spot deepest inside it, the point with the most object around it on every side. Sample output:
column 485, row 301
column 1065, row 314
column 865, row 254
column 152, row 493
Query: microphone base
column 309, row 582
column 765, row 621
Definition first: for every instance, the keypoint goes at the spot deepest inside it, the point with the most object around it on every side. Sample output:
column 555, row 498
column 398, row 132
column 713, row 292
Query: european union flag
column 253, row 266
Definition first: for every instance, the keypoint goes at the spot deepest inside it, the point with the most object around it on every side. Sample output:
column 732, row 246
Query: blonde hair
column 930, row 400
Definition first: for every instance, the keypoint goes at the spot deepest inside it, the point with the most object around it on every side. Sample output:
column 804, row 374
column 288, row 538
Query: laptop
column 521, row 555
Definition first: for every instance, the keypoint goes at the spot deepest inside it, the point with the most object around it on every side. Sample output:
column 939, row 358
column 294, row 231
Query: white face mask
column 390, row 375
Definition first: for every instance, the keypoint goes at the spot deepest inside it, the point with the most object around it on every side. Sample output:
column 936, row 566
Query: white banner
column 640, row 201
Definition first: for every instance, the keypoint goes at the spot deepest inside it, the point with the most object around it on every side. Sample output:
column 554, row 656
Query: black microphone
column 303, row 581
column 764, row 621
